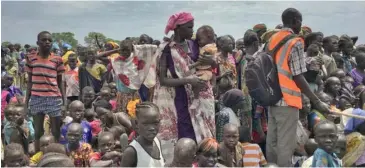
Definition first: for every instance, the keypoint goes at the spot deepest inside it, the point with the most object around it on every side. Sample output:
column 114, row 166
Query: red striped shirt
column 44, row 73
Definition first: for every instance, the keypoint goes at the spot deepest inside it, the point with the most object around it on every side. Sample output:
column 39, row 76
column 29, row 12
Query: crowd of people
column 186, row 101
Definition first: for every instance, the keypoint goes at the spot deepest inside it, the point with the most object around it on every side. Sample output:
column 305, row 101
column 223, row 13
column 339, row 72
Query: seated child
column 14, row 156
column 77, row 110
column 78, row 150
column 44, row 143
column 55, row 160
column 332, row 88
column 184, row 152
column 106, row 156
column 207, row 45
column 105, row 93
column 325, row 134
column 94, row 123
column 310, row 147
column 253, row 155
column 230, row 151
column 55, row 148
column 17, row 129
column 118, row 131
column 109, row 119
column 314, row 72
column 145, row 150
column 340, row 148
column 316, row 116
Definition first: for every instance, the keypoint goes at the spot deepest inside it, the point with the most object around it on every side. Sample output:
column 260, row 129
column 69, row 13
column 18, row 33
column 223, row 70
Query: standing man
column 283, row 117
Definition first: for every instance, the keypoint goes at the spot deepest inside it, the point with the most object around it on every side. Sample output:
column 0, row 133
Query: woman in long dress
column 182, row 116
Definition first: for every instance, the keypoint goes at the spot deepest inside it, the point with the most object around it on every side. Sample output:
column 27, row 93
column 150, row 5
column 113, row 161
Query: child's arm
column 100, row 163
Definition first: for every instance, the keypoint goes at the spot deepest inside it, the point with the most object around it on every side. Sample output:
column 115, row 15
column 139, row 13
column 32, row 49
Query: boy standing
column 45, row 89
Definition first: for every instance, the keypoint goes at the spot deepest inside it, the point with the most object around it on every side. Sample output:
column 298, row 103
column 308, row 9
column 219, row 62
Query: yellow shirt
column 36, row 158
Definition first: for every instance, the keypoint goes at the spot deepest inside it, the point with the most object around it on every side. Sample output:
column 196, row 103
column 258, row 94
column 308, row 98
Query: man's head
column 292, row 18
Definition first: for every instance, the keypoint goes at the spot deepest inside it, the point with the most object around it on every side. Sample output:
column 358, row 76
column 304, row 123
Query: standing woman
column 173, row 91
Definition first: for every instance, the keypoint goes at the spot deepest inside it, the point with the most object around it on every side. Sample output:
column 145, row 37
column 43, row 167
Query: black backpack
column 262, row 76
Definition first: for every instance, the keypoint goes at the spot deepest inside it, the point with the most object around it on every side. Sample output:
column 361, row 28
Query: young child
column 106, row 94
column 55, row 148
column 17, row 129
column 88, row 97
column 72, row 79
column 314, row 72
column 78, row 151
column 310, row 147
column 45, row 87
column 184, row 153
column 207, row 45
column 77, row 110
column 146, row 145
column 358, row 73
column 207, row 154
column 107, row 156
column 55, row 160
column 325, row 134
column 340, row 148
column 45, row 141
column 253, row 156
column 109, row 119
column 232, row 102
column 118, row 131
column 332, row 88
column 94, row 122
column 14, row 156
column 230, row 151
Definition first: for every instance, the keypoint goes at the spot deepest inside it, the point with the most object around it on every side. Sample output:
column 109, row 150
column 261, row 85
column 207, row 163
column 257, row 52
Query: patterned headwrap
column 178, row 19
column 259, row 27
column 113, row 44
column 267, row 35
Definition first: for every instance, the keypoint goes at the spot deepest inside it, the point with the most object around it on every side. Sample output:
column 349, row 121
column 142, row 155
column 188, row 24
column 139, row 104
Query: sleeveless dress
column 144, row 159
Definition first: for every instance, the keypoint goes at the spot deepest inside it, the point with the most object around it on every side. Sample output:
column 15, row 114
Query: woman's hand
column 207, row 60
column 196, row 82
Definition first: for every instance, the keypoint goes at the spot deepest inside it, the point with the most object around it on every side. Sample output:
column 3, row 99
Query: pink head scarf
column 178, row 19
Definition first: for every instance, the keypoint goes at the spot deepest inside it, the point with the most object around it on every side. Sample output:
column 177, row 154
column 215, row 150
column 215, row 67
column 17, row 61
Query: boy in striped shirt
column 45, row 89
column 253, row 156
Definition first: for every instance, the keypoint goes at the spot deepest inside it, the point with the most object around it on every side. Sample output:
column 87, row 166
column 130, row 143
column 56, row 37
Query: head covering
column 267, row 35
column 232, row 97
column 353, row 123
column 307, row 29
column 178, row 19
column 113, row 44
column 259, row 27
column 68, row 46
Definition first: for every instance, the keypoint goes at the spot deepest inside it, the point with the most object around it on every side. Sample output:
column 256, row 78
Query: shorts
column 45, row 105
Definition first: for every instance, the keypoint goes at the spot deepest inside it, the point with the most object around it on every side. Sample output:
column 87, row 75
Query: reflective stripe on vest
column 291, row 92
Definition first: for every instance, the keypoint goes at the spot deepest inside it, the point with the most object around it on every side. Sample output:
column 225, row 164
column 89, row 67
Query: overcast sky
column 21, row 21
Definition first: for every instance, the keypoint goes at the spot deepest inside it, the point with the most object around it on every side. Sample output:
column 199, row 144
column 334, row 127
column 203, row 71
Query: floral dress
column 181, row 114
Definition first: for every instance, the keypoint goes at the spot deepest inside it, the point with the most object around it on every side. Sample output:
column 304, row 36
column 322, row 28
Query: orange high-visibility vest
column 291, row 92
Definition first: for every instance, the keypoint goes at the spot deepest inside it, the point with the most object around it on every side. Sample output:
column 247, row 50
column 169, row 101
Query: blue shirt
column 86, row 135
column 323, row 159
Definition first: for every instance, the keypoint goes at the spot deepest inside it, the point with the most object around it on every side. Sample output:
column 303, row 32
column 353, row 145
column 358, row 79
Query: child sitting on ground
column 44, row 143
column 253, row 155
column 184, row 153
column 310, row 147
column 14, row 156
column 145, row 150
column 17, row 129
column 118, row 131
column 325, row 134
column 230, row 151
column 106, row 156
column 332, row 88
column 94, row 122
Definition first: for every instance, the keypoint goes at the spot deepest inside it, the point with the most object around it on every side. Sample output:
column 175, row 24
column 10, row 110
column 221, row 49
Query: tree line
column 91, row 40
